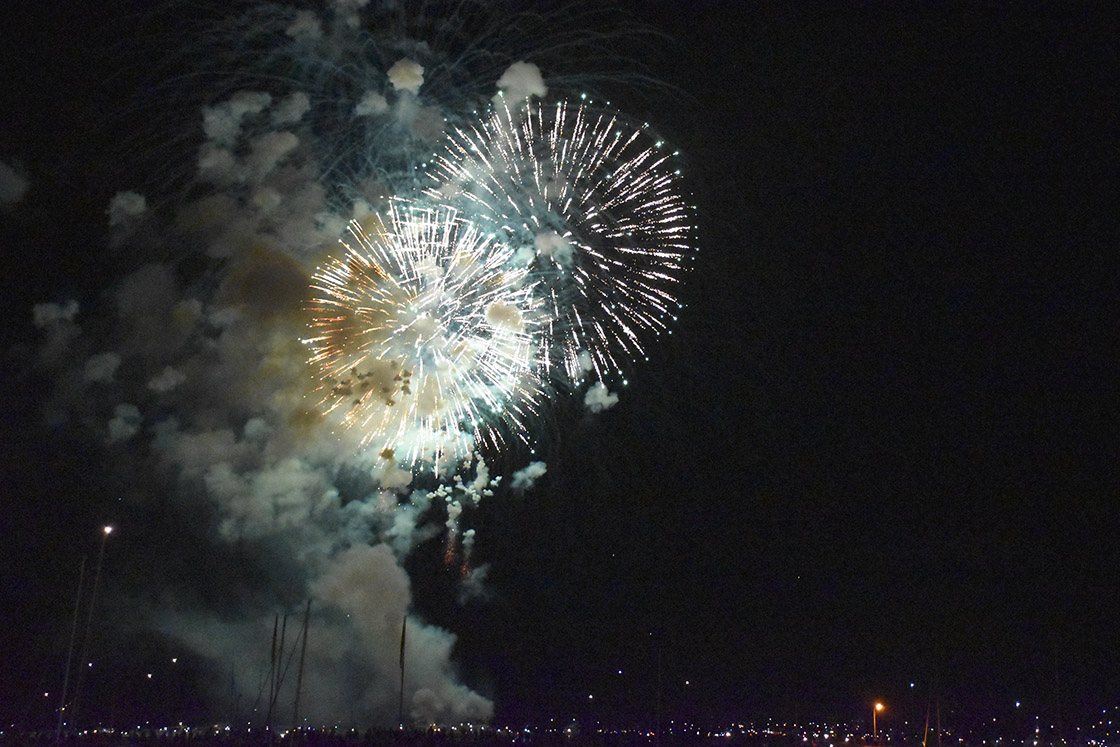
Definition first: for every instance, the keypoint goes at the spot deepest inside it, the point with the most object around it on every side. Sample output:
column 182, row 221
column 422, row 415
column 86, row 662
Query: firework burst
column 594, row 208
column 423, row 336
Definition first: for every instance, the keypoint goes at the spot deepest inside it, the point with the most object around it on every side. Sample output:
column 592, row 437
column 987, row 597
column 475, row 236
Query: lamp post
column 84, row 663
column 874, row 726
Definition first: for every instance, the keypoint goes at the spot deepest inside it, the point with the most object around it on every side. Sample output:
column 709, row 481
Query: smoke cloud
column 522, row 80
column 599, row 398
column 523, row 479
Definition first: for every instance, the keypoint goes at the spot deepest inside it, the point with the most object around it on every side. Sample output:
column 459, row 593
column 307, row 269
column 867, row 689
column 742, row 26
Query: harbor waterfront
column 1030, row 731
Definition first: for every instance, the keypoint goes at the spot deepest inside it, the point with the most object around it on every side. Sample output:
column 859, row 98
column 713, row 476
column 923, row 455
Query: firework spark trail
column 424, row 336
column 595, row 209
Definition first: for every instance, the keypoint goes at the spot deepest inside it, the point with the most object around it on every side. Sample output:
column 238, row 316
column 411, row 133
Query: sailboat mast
column 302, row 656
column 70, row 648
column 400, row 703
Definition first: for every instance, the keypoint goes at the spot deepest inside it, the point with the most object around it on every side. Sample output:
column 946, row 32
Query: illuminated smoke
column 325, row 331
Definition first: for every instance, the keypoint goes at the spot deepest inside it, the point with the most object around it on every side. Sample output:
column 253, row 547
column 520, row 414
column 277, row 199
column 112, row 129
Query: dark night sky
column 880, row 448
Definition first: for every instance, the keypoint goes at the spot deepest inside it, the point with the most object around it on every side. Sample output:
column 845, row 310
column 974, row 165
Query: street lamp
column 874, row 726
column 84, row 662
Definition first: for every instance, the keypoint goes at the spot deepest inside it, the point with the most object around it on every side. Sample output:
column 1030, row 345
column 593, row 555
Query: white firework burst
column 594, row 206
column 423, row 336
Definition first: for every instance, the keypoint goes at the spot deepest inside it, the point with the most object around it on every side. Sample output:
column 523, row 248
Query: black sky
column 879, row 450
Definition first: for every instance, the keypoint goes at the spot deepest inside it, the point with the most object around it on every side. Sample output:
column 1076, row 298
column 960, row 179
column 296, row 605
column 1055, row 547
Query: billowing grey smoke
column 197, row 386
column 359, row 603
column 202, row 394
